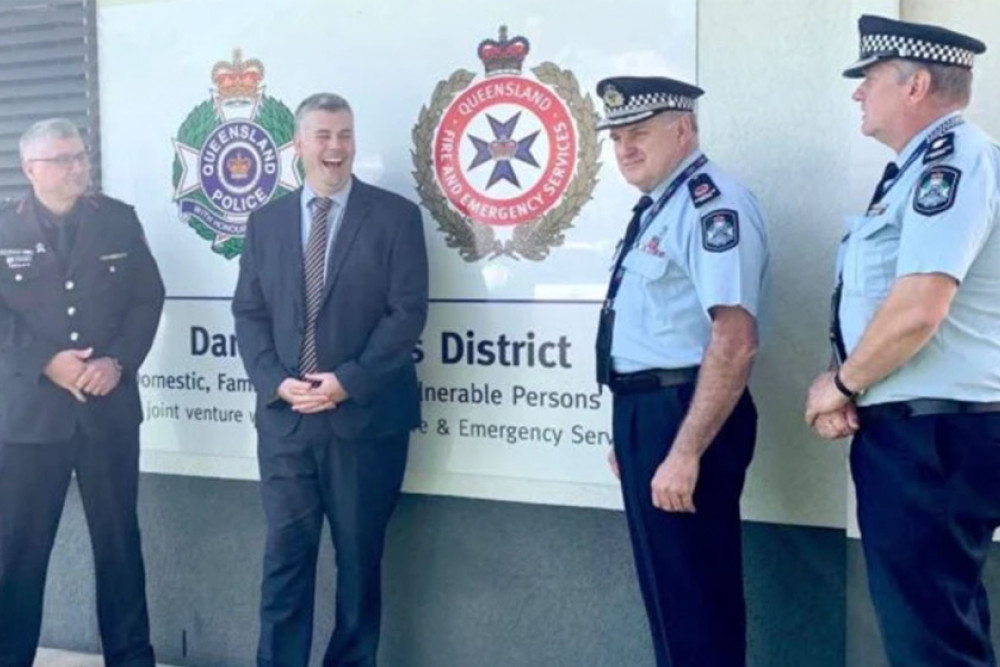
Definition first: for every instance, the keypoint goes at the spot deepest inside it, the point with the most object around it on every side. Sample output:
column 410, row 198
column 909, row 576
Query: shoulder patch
column 720, row 230
column 941, row 147
column 936, row 190
column 703, row 190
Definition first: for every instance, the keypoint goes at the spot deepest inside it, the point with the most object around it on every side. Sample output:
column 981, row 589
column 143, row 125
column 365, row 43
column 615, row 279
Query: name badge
column 17, row 258
column 876, row 210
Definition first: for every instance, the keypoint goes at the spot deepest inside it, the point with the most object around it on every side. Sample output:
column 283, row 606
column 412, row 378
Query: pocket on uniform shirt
column 110, row 271
column 648, row 266
column 879, row 252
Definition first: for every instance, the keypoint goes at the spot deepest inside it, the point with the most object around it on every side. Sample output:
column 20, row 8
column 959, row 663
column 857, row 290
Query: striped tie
column 313, row 272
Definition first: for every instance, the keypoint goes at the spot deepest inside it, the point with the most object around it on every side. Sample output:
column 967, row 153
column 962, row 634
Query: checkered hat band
column 652, row 102
column 916, row 49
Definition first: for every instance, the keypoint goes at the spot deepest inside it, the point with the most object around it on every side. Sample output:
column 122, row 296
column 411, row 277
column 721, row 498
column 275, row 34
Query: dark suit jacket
column 373, row 311
column 107, row 295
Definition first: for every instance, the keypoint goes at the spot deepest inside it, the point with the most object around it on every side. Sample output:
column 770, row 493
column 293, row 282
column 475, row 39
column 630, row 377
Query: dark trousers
column 689, row 565
column 928, row 502
column 33, row 483
column 355, row 484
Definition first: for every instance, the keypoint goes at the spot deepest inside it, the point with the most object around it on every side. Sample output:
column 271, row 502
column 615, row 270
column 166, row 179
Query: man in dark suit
column 330, row 302
column 80, row 301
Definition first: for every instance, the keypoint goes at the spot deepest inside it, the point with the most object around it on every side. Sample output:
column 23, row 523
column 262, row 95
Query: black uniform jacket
column 107, row 294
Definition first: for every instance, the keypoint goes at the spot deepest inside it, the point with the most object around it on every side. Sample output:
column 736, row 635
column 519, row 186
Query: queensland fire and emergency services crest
column 505, row 162
column 234, row 153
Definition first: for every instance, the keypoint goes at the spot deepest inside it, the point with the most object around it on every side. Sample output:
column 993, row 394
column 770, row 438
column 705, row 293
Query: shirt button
column 69, row 285
column 71, row 311
column 74, row 336
column 111, row 269
column 18, row 277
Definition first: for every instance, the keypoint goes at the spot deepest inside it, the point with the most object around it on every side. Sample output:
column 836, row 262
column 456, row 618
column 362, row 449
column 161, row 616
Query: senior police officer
column 80, row 301
column 916, row 324
column 676, row 341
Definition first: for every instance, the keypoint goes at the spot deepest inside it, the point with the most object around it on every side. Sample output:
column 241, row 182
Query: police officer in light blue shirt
column 675, row 345
column 916, row 331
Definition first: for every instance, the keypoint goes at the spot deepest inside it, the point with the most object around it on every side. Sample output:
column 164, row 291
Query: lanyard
column 675, row 184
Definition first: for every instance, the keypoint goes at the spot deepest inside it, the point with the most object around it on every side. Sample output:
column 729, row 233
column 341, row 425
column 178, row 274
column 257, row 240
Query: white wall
column 981, row 19
column 778, row 114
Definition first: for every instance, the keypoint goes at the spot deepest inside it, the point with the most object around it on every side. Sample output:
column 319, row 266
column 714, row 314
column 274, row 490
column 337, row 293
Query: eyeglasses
column 64, row 160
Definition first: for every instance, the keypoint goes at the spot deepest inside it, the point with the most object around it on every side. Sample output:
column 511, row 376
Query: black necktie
column 888, row 178
column 606, row 325
column 62, row 240
column 631, row 232
column 313, row 268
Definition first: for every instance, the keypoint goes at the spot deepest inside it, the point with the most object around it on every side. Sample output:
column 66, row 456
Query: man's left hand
column 675, row 481
column 99, row 377
column 836, row 425
column 824, row 397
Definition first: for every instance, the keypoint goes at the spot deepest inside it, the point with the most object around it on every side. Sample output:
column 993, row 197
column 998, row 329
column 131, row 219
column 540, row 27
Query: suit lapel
column 351, row 222
column 291, row 246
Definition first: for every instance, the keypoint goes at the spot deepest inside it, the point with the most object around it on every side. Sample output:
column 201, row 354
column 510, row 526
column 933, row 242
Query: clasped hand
column 316, row 392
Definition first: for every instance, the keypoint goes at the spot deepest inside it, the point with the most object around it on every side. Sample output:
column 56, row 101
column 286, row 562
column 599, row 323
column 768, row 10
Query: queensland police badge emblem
column 234, row 153
column 505, row 163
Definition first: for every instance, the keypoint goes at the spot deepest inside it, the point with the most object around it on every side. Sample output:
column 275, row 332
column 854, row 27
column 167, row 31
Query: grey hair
column 949, row 84
column 320, row 102
column 674, row 115
column 50, row 128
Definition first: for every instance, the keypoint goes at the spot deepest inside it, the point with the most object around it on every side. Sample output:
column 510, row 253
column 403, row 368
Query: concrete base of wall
column 467, row 582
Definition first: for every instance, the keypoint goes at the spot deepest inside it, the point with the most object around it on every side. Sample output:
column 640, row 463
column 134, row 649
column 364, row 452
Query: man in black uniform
column 80, row 300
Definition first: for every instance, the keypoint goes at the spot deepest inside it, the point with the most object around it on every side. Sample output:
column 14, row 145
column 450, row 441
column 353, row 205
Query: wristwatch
column 843, row 388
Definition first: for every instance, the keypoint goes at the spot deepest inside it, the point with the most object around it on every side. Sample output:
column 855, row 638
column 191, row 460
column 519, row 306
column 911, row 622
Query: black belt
column 925, row 406
column 651, row 380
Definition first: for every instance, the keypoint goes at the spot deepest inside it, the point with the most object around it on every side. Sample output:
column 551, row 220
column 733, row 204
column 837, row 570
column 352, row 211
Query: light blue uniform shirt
column 687, row 260
column 333, row 217
column 941, row 216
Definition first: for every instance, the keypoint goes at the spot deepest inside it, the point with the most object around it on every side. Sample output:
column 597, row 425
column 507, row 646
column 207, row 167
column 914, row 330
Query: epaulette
column 703, row 190
column 941, row 147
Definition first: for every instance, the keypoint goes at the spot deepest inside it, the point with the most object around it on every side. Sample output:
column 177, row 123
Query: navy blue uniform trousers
column 690, row 566
column 33, row 483
column 928, row 492
column 306, row 476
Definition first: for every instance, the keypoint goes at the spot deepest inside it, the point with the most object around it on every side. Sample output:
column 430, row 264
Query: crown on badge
column 238, row 166
column 503, row 56
column 239, row 79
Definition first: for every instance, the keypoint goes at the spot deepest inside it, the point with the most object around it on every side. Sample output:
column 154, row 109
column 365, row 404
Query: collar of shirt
column 658, row 191
column 340, row 201
column 919, row 137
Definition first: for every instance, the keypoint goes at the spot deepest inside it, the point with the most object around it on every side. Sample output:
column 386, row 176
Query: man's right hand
column 613, row 463
column 66, row 367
